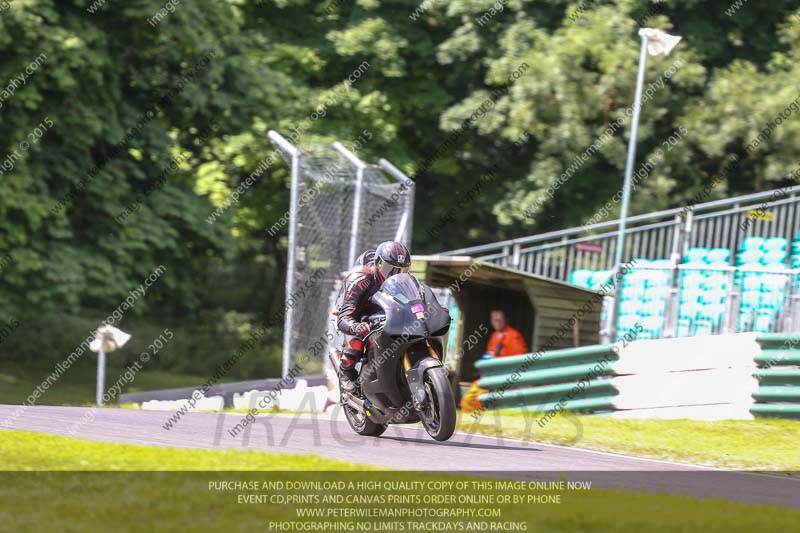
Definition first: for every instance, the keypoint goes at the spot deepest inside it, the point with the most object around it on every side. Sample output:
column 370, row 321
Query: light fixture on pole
column 657, row 43
column 106, row 340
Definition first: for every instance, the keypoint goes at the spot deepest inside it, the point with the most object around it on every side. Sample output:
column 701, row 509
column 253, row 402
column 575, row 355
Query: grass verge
column 138, row 500
column 756, row 445
column 34, row 451
column 733, row 444
column 77, row 385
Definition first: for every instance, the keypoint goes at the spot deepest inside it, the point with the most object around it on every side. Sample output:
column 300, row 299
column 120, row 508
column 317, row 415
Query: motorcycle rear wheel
column 361, row 424
column 439, row 414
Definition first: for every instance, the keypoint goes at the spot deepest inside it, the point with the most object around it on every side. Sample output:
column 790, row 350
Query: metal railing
column 660, row 235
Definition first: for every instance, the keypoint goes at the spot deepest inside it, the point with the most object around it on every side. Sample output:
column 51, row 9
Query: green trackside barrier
column 589, row 405
column 778, row 376
column 597, row 394
column 777, row 410
column 772, row 357
column 778, row 393
column 771, row 341
column 519, row 383
column 509, row 365
column 545, row 376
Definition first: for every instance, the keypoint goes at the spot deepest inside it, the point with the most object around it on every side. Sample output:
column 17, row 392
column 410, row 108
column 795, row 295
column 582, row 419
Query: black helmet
column 391, row 257
column 365, row 259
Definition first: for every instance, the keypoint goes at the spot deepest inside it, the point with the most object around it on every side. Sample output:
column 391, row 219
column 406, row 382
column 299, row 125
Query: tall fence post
column 671, row 312
column 731, row 320
column 288, row 320
column 687, row 235
column 290, row 260
column 360, row 166
column 673, row 296
column 676, row 239
column 794, row 299
column 407, row 221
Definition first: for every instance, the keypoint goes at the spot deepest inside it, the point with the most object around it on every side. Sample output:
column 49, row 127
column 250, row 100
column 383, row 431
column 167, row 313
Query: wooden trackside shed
column 537, row 306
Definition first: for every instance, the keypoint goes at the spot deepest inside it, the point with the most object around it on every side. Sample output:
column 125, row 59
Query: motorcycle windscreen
column 411, row 308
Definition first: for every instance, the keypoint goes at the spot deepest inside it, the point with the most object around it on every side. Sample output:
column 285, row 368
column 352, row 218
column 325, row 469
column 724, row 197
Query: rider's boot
column 347, row 374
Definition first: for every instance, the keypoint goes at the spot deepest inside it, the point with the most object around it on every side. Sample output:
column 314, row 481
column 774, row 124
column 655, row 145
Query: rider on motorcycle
column 359, row 285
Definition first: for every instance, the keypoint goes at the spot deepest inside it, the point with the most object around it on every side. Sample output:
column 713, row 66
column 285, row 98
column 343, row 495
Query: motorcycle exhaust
column 333, row 357
column 354, row 402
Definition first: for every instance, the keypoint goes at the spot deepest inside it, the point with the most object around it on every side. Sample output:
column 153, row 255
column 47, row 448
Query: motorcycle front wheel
column 439, row 413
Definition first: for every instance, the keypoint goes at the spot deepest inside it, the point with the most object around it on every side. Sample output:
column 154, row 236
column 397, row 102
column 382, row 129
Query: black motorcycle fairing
column 381, row 375
column 410, row 316
column 438, row 318
column 411, row 308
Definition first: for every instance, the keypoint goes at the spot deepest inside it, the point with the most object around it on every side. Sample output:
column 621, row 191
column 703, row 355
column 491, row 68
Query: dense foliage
column 125, row 125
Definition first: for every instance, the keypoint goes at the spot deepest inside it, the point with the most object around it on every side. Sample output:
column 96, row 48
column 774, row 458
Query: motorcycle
column 401, row 378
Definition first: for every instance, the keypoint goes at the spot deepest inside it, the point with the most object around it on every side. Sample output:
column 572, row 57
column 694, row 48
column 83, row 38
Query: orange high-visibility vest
column 513, row 342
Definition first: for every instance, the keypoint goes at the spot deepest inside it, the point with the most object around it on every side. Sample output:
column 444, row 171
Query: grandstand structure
column 725, row 266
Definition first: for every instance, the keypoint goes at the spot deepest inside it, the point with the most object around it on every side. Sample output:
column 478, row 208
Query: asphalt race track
column 410, row 448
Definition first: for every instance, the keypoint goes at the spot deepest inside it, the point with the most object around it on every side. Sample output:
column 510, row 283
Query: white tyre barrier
column 301, row 398
column 212, row 403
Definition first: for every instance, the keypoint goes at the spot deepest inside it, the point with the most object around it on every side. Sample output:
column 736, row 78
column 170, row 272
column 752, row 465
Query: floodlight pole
column 288, row 321
column 626, row 187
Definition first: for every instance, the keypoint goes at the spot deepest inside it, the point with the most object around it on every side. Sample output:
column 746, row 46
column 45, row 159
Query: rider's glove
column 361, row 329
